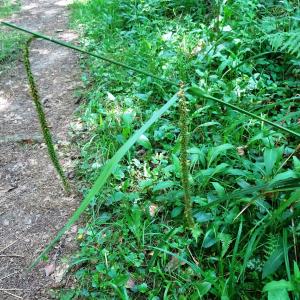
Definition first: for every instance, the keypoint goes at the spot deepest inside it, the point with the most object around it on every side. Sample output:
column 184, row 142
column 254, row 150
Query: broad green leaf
column 236, row 172
column 217, row 151
column 176, row 164
column 284, row 175
column 296, row 271
column 203, row 287
column 270, row 158
column 218, row 187
column 282, row 185
column 203, row 217
column 176, row 211
column 296, row 163
column 278, row 285
column 274, row 262
column 278, row 295
column 128, row 117
column 145, row 183
column 144, row 141
column 212, row 171
column 105, row 174
column 197, row 154
column 163, row 185
column 209, row 239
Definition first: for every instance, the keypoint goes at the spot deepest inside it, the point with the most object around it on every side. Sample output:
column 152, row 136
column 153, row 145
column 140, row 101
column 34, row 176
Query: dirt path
column 33, row 205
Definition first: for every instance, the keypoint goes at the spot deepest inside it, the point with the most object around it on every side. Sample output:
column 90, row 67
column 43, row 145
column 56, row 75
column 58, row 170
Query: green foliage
column 243, row 176
column 10, row 42
column 279, row 289
column 7, row 7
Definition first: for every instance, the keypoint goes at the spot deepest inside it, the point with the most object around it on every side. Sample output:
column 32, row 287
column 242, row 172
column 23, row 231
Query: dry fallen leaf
column 198, row 48
column 49, row 269
column 60, row 272
column 174, row 263
column 130, row 284
column 241, row 150
column 153, row 209
column 74, row 229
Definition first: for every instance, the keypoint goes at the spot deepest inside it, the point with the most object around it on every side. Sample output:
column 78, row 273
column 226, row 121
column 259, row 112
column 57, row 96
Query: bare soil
column 33, row 205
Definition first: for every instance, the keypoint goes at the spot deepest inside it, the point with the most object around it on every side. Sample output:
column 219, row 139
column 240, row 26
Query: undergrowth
column 243, row 176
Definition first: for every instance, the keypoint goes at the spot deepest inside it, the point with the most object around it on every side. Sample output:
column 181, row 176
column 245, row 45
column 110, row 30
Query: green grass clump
column 243, row 175
column 8, row 7
column 10, row 41
column 10, row 46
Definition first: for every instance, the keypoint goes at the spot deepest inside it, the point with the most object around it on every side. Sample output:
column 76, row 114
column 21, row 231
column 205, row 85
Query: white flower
column 227, row 28
column 167, row 36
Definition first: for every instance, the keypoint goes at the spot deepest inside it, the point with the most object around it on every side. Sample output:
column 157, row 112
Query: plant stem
column 42, row 117
column 183, row 158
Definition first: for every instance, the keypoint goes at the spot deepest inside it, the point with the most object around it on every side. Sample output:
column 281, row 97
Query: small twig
column 293, row 153
column 106, row 261
column 2, row 290
column 6, row 276
column 12, row 255
column 67, row 281
column 11, row 294
column 242, row 211
column 194, row 259
column 8, row 246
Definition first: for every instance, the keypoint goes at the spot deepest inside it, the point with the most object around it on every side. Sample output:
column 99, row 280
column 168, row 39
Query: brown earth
column 33, row 205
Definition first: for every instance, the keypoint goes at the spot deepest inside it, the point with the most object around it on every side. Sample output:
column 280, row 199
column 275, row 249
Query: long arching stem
column 42, row 117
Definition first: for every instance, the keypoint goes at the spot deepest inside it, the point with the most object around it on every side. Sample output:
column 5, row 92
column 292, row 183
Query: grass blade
column 104, row 175
column 251, row 246
column 286, row 253
column 194, row 267
column 233, row 261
